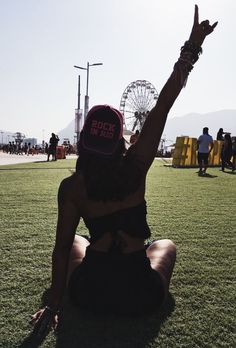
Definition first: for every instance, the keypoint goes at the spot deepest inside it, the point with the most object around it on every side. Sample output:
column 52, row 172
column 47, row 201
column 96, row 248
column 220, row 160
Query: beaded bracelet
column 184, row 68
column 190, row 52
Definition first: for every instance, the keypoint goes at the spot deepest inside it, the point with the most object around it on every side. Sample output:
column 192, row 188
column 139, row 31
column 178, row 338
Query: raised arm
column 147, row 144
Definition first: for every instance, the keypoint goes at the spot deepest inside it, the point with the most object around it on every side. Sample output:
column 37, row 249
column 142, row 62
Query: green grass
column 198, row 213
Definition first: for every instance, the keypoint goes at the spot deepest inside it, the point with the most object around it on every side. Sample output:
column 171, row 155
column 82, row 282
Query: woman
column 52, row 150
column 234, row 151
column 115, row 271
column 220, row 134
column 227, row 153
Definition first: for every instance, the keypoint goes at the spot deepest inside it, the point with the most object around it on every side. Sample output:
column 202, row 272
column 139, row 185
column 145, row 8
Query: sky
column 42, row 40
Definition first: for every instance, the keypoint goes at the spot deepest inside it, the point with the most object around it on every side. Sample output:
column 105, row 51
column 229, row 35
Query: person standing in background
column 234, row 151
column 220, row 134
column 205, row 145
column 52, row 150
column 227, row 153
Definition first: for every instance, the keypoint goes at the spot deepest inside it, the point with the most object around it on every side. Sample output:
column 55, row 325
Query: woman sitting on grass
column 115, row 271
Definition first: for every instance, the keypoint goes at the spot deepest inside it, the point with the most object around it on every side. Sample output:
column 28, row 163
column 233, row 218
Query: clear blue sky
column 41, row 41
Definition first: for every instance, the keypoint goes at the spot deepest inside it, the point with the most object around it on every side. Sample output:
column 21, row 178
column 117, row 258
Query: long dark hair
column 228, row 141
column 110, row 178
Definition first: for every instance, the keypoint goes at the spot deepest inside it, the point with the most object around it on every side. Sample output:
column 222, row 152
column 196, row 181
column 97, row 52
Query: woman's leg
column 228, row 161
column 222, row 161
column 234, row 159
column 199, row 162
column 162, row 255
column 77, row 253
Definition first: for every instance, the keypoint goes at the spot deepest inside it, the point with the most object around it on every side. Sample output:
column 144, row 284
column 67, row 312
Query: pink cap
column 103, row 128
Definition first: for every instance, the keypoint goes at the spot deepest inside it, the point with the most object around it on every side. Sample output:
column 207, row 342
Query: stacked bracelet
column 188, row 56
column 190, row 52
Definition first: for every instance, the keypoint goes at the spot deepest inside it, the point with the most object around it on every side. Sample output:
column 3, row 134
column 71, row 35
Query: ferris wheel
column 137, row 100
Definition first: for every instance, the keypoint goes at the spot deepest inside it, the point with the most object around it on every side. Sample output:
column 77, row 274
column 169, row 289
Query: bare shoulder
column 71, row 188
column 66, row 185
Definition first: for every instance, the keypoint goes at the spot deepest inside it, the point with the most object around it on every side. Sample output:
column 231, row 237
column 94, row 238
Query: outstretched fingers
column 206, row 27
column 202, row 29
column 214, row 25
column 35, row 317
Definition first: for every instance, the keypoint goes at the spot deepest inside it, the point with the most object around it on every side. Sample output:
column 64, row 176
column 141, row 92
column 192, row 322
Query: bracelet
column 190, row 51
column 186, row 64
column 183, row 67
column 189, row 54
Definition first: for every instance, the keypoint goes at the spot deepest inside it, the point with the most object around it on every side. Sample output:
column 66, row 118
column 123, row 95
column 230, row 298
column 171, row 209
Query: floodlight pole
column 86, row 98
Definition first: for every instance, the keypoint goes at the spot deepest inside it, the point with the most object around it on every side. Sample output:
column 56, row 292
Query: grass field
column 198, row 213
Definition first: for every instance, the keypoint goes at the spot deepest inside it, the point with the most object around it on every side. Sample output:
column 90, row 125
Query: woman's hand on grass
column 47, row 315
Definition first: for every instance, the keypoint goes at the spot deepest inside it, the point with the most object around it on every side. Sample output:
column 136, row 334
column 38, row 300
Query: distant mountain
column 190, row 124
column 193, row 123
column 68, row 132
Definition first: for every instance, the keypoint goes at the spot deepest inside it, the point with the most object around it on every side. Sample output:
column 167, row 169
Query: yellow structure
column 185, row 153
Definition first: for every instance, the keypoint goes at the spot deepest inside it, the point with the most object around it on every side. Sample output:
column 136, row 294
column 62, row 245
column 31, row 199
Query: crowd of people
column 228, row 153
column 47, row 148
column 205, row 146
column 16, row 148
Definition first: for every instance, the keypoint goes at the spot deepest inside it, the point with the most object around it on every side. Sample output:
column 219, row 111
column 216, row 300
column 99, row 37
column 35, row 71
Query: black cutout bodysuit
column 130, row 220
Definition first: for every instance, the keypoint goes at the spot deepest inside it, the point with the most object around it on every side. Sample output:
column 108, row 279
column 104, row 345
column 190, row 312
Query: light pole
column 86, row 98
column 78, row 103
column 78, row 115
column 43, row 142
column 2, row 136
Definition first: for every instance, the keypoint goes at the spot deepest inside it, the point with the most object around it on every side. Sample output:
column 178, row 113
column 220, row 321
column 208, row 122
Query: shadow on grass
column 89, row 330
column 35, row 339
column 80, row 328
column 208, row 176
column 232, row 172
column 32, row 341
column 35, row 168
